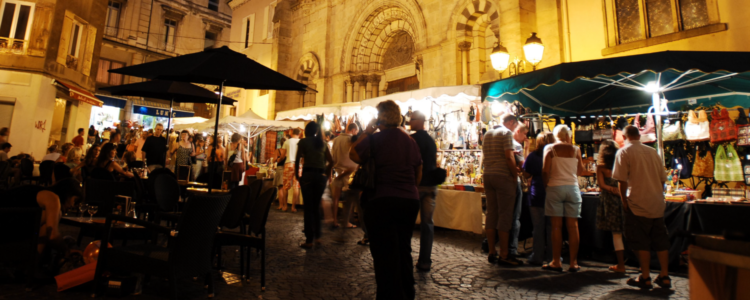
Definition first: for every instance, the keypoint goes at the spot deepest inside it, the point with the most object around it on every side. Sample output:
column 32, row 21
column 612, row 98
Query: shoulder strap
column 554, row 153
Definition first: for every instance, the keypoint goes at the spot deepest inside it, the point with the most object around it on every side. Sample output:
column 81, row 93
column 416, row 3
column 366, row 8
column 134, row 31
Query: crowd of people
column 403, row 169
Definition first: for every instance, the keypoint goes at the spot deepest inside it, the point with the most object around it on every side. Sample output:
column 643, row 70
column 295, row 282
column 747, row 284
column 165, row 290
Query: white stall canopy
column 249, row 123
column 329, row 110
column 432, row 100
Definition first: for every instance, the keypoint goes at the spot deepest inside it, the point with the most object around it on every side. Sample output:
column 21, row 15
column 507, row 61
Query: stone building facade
column 139, row 31
column 350, row 50
column 49, row 50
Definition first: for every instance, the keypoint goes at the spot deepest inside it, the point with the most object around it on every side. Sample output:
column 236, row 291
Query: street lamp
column 534, row 49
column 500, row 58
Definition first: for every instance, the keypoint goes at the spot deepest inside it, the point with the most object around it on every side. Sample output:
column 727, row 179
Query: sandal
column 640, row 282
column 616, row 270
column 307, row 246
column 574, row 270
column 663, row 282
column 550, row 268
column 351, row 226
column 363, row 242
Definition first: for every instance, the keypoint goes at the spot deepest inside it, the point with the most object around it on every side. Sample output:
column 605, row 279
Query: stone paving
column 344, row 271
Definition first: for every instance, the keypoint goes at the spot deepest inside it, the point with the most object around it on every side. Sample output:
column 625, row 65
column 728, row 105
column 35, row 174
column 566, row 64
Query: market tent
column 189, row 120
column 447, row 97
column 623, row 82
column 248, row 122
column 309, row 113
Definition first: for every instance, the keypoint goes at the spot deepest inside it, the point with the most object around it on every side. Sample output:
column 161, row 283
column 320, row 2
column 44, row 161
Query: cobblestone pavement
column 344, row 271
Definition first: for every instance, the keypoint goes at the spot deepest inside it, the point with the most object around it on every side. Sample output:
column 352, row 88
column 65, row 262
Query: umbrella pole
column 657, row 115
column 169, row 123
column 212, row 159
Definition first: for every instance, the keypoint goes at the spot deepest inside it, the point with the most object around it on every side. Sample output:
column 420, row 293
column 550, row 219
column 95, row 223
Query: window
column 77, row 43
column 403, row 85
column 642, row 19
column 113, row 17
column 210, row 40
column 104, row 76
column 170, row 27
column 75, row 40
column 15, row 25
column 268, row 20
column 213, row 5
column 248, row 30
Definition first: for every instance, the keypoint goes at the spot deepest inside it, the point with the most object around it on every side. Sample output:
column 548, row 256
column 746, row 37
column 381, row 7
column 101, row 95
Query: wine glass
column 92, row 211
column 83, row 207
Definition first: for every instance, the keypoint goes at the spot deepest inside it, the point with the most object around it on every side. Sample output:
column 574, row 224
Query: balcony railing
column 14, row 46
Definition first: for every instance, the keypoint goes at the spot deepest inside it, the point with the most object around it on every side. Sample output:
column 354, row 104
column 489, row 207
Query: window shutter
column 89, row 54
column 62, row 50
column 265, row 22
column 251, row 35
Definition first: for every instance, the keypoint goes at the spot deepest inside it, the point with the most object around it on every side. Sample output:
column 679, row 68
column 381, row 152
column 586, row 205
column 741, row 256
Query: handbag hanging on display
column 727, row 164
column 697, row 128
column 743, row 129
column 704, row 163
column 682, row 161
column 672, row 132
column 648, row 133
column 722, row 127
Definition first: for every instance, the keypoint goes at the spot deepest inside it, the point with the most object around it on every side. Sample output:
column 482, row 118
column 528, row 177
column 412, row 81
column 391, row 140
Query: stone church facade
column 351, row 50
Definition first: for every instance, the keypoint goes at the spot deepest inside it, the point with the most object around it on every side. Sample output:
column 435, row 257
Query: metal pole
column 212, row 159
column 657, row 115
column 169, row 123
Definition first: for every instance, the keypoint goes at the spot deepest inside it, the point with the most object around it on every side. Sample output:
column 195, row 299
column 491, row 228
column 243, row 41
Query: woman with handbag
column 391, row 200
column 315, row 173
column 237, row 159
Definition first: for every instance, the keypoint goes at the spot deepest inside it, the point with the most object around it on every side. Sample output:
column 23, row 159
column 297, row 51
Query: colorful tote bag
column 743, row 129
column 704, row 165
column 697, row 128
column 673, row 132
column 648, row 133
column 722, row 127
column 727, row 164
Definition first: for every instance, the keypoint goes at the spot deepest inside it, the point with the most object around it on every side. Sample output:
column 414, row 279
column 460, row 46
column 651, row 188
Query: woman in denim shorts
column 562, row 165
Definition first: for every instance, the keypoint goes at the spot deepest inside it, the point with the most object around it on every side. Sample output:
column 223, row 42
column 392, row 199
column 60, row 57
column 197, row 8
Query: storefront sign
column 233, row 94
column 160, row 112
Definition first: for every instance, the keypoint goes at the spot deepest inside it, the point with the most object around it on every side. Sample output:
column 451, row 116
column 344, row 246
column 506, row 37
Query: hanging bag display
column 583, row 134
column 722, row 127
column 682, row 161
column 743, row 129
column 697, row 128
column 648, row 133
column 727, row 164
column 704, row 164
column 673, row 131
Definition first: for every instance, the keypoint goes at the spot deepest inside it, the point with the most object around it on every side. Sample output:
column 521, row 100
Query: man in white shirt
column 344, row 167
column 290, row 153
column 640, row 168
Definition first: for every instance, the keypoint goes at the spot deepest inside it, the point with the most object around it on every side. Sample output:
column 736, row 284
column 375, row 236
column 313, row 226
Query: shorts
column 342, row 180
column 289, row 178
column 563, row 201
column 646, row 234
column 501, row 201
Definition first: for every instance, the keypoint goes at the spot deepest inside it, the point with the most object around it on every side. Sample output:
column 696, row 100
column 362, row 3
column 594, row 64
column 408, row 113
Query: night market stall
column 693, row 107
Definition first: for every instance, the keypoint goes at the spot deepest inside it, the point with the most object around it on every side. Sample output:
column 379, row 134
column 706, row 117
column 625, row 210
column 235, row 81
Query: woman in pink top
column 562, row 165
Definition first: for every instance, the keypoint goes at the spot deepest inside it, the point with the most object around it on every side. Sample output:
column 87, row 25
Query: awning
column 681, row 77
column 78, row 93
column 247, row 123
column 445, row 98
column 309, row 113
column 156, row 109
column 112, row 101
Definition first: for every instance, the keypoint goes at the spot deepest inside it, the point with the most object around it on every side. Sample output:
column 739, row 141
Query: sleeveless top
column 238, row 156
column 183, row 155
column 564, row 170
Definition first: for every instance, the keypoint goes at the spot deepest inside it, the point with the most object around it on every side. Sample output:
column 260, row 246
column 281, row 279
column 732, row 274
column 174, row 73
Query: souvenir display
column 743, row 129
column 704, row 164
column 697, row 128
column 722, row 128
column 727, row 164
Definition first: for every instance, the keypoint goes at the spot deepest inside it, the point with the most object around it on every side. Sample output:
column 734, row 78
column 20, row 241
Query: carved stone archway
column 307, row 73
column 471, row 24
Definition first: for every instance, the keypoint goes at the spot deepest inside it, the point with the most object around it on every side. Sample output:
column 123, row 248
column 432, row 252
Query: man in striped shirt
column 500, row 182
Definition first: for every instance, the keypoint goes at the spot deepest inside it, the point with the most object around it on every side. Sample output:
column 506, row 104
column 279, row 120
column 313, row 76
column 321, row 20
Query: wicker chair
column 257, row 229
column 232, row 218
column 166, row 193
column 187, row 254
column 23, row 223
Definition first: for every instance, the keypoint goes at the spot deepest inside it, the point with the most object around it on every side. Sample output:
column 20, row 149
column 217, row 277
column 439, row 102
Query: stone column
column 464, row 47
column 373, row 83
column 349, row 90
column 362, row 79
column 355, row 90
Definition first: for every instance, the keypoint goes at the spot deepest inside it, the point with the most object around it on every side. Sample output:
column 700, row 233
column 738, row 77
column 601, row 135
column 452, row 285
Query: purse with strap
column 697, row 128
column 364, row 177
column 722, row 127
column 704, row 164
column 673, row 132
column 727, row 164
column 743, row 128
column 648, row 133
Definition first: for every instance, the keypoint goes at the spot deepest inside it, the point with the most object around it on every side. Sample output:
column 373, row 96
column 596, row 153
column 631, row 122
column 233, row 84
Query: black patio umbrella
column 174, row 91
column 222, row 67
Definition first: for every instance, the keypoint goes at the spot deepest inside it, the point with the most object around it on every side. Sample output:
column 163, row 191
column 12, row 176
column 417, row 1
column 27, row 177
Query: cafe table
column 205, row 190
column 95, row 228
column 192, row 184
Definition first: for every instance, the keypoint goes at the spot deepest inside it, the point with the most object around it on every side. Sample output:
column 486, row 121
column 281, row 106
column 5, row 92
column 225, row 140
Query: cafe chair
column 186, row 255
column 166, row 194
column 45, row 172
column 256, row 235
column 61, row 171
column 255, row 190
column 19, row 229
column 27, row 171
column 232, row 218
column 183, row 173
